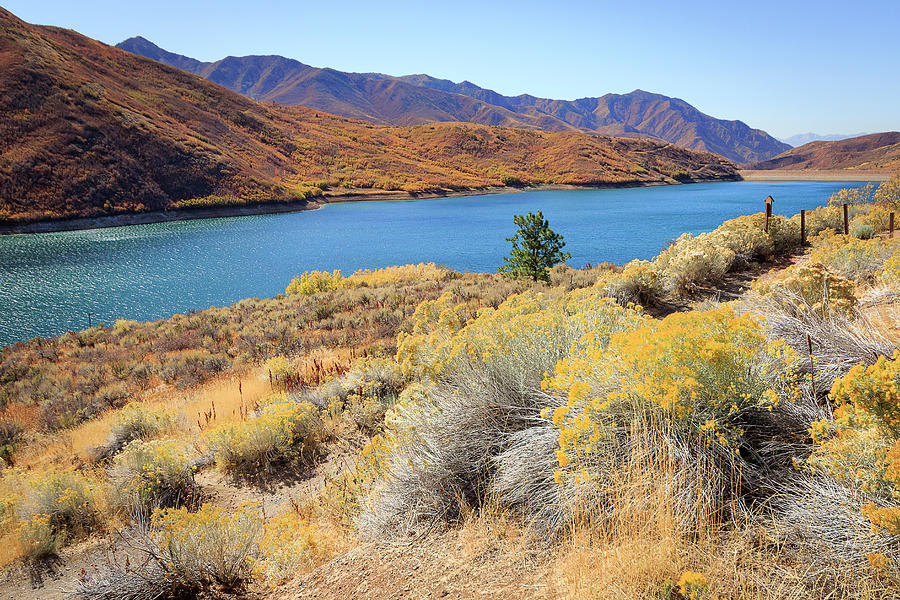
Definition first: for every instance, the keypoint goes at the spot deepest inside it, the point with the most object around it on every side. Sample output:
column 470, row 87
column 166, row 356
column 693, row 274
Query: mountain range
column 805, row 138
column 88, row 130
column 872, row 152
column 417, row 99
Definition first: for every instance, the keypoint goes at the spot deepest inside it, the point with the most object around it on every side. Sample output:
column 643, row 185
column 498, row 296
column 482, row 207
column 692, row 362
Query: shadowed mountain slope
column 415, row 99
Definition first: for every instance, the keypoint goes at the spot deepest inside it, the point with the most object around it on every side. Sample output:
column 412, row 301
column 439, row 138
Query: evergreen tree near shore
column 535, row 249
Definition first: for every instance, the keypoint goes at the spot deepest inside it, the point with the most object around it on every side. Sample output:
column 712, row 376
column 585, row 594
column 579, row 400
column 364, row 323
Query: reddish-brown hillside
column 877, row 151
column 87, row 129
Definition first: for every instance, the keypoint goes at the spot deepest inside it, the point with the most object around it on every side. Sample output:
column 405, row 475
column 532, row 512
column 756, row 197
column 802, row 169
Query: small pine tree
column 536, row 248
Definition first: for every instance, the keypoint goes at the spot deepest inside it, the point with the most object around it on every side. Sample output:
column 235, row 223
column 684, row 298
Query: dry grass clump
column 830, row 341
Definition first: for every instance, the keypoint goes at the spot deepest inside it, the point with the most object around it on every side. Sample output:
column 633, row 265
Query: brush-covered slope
column 88, row 129
column 876, row 151
column 416, row 99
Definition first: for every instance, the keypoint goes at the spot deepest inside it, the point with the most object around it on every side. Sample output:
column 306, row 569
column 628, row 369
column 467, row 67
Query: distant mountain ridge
column 417, row 99
column 805, row 138
column 876, row 151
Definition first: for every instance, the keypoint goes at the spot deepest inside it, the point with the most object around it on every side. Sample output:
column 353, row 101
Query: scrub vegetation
column 617, row 430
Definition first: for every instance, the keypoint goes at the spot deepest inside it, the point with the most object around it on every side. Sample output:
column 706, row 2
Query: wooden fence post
column 802, row 227
column 846, row 221
column 892, row 226
column 769, row 201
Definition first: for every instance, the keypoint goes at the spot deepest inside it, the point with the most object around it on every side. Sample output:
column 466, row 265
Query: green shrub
column 863, row 232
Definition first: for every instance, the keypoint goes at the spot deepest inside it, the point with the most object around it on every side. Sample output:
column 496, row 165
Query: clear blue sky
column 785, row 66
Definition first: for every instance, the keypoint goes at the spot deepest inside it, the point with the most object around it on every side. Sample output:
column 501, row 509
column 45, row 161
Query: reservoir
column 55, row 282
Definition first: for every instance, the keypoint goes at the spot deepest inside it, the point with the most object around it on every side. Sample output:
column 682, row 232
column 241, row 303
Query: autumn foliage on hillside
column 90, row 130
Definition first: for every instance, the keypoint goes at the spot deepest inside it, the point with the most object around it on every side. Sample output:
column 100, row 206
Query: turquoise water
column 50, row 282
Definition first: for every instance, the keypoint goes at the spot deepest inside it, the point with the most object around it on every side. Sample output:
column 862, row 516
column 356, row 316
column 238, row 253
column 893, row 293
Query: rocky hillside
column 876, row 151
column 415, row 99
column 88, row 129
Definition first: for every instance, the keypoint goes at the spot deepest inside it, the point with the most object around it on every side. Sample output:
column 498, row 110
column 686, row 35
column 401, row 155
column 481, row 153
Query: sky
column 787, row 66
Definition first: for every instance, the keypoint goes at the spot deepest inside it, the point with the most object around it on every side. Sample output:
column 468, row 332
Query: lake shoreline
column 147, row 218
column 813, row 175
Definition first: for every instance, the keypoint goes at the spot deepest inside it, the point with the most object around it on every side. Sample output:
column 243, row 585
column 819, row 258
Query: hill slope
column 799, row 139
column 877, row 151
column 415, row 99
column 88, row 129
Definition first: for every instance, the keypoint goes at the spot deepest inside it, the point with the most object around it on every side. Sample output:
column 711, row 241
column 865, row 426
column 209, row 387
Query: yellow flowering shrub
column 422, row 350
column 285, row 429
column 874, row 215
column 363, row 394
column 824, row 218
column 151, row 474
column 345, row 490
column 313, row 282
column 692, row 585
column 888, row 193
column 48, row 508
column 890, row 271
column 852, row 258
column 875, row 390
column 137, row 421
column 858, row 195
column 212, row 547
column 403, row 274
column 279, row 368
column 692, row 261
column 38, row 537
column 861, row 446
column 811, row 284
column 746, row 236
column 699, row 371
column 637, row 282
column 289, row 546
column 530, row 328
